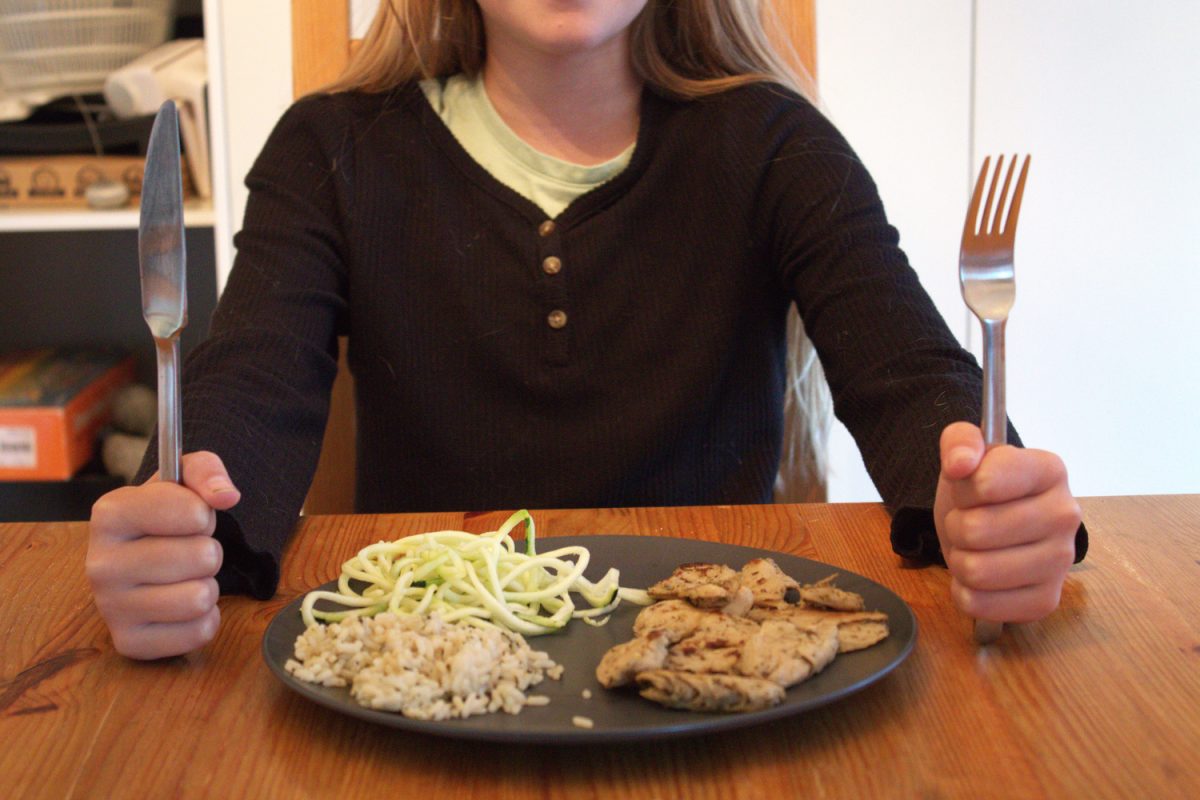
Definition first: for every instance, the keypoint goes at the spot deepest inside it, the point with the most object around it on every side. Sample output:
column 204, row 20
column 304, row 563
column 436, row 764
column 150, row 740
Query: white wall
column 1103, row 340
column 361, row 14
column 895, row 79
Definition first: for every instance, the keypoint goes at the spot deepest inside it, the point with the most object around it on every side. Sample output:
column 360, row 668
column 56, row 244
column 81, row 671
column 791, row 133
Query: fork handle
column 995, row 428
column 995, row 414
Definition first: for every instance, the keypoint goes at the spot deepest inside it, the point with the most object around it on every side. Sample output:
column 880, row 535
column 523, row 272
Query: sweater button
column 552, row 265
column 546, row 228
column 557, row 319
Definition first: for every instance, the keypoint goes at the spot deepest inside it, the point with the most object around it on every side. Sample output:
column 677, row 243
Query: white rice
column 423, row 667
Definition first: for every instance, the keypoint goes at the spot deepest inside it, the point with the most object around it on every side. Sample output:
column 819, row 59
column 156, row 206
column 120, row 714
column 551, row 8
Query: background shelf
column 196, row 214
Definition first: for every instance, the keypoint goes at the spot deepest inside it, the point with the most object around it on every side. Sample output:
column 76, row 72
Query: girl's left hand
column 1006, row 520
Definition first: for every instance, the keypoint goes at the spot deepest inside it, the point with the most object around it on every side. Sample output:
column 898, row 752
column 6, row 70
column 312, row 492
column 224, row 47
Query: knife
column 164, row 276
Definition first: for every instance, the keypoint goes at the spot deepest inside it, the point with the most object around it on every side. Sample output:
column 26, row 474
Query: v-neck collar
column 653, row 111
column 529, row 158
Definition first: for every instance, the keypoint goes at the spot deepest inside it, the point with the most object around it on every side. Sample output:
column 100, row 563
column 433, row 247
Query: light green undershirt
column 548, row 182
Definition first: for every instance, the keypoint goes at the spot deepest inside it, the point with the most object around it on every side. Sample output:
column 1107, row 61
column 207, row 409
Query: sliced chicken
column 720, row 640
column 675, row 618
column 860, row 634
column 703, row 585
column 701, row 692
column 784, row 654
column 734, row 630
column 824, row 594
column 740, row 604
column 695, row 654
column 771, row 585
column 715, row 645
column 622, row 662
column 857, row 630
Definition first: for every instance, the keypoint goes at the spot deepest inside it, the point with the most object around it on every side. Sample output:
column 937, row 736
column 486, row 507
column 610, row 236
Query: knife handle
column 170, row 427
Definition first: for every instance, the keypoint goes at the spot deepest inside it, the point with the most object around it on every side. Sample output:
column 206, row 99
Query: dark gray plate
column 621, row 715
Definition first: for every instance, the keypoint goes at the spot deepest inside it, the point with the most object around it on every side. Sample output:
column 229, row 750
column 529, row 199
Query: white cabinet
column 1103, row 341
column 250, row 52
column 70, row 276
column 198, row 213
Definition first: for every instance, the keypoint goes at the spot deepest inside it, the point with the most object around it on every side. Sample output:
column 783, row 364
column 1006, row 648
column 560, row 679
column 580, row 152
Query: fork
column 985, row 273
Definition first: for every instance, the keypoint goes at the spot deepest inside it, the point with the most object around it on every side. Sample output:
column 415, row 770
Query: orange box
column 53, row 402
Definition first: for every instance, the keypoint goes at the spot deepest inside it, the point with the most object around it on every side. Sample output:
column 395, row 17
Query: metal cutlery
column 164, row 276
column 986, row 276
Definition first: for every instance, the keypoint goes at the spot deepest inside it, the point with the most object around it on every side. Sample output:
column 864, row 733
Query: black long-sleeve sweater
column 648, row 370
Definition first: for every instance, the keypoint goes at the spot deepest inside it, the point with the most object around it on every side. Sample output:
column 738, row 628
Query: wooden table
column 1102, row 699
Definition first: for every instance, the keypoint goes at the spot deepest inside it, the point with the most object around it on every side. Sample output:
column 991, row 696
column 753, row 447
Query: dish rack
column 54, row 48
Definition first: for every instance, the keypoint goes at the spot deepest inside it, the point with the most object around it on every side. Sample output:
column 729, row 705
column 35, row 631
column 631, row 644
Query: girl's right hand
column 152, row 559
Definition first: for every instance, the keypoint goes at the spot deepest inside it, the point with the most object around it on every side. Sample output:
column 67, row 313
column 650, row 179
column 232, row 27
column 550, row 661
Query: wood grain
column 1098, row 700
column 321, row 49
column 333, row 484
column 320, row 43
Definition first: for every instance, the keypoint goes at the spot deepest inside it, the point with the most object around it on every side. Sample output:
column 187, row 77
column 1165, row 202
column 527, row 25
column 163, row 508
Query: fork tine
column 986, row 219
column 1002, row 201
column 1010, row 227
column 972, row 224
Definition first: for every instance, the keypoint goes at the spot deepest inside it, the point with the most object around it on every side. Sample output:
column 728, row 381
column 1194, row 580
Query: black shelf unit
column 83, row 288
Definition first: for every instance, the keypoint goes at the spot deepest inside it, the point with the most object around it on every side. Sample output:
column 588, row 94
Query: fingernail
column 960, row 458
column 220, row 486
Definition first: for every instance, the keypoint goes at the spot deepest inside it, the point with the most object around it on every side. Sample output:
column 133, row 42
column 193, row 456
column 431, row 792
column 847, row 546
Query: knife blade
column 163, row 265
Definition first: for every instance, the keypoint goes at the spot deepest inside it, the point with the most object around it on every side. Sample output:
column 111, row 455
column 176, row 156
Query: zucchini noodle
column 477, row 579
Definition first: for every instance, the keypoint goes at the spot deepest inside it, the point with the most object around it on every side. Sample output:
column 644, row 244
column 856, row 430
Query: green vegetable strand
column 478, row 579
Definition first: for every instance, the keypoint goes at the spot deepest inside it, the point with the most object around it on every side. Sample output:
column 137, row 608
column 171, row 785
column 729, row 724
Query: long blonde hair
column 685, row 49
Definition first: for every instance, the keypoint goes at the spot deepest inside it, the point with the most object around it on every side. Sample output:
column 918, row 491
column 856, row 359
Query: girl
column 563, row 237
